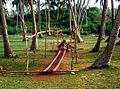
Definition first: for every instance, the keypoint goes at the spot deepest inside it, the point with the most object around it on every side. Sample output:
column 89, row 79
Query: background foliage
column 90, row 25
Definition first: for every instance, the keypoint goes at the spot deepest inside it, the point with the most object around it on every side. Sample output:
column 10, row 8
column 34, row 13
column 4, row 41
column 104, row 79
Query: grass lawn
column 108, row 78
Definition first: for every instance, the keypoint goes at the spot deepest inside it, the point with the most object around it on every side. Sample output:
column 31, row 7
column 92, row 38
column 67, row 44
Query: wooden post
column 76, row 45
column 46, row 31
column 45, row 43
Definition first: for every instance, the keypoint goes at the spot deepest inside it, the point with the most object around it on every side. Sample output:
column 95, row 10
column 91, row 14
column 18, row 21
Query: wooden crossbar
column 41, row 33
column 6, row 72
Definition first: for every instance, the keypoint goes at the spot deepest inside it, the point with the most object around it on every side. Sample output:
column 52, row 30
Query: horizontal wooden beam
column 42, row 33
column 26, row 72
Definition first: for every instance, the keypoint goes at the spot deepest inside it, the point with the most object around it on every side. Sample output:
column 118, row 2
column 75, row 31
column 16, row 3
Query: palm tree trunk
column 39, row 19
column 118, row 43
column 7, row 50
column 70, row 19
column 48, row 27
column 34, row 39
column 58, row 11
column 102, row 27
column 21, row 7
column 105, row 59
column 113, row 16
column 113, row 12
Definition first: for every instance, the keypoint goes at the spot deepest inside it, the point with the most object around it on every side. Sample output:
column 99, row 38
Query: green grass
column 108, row 78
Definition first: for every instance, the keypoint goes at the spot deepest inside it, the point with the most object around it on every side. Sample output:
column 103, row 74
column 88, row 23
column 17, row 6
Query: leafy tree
column 93, row 18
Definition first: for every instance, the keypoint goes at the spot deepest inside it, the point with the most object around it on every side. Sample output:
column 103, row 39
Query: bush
column 11, row 22
column 13, row 30
column 108, row 28
column 43, row 25
column 66, row 31
column 0, row 30
column 90, row 28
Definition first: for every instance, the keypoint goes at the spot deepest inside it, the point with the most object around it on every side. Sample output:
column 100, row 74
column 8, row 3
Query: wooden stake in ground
column 105, row 59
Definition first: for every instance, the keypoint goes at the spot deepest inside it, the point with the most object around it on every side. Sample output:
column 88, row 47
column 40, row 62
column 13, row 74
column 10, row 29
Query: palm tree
column 102, row 27
column 39, row 19
column 48, row 25
column 34, row 39
column 7, row 49
column 113, row 15
column 59, row 4
column 113, row 11
column 118, row 43
column 70, row 19
column 21, row 7
column 52, row 4
column 105, row 59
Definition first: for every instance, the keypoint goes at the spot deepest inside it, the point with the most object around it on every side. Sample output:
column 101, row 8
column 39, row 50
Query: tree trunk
column 105, row 59
column 39, row 19
column 113, row 12
column 76, row 30
column 7, row 50
column 48, row 27
column 34, row 39
column 78, row 35
column 70, row 19
column 113, row 16
column 118, row 43
column 119, row 34
column 21, row 7
column 102, row 27
column 58, row 11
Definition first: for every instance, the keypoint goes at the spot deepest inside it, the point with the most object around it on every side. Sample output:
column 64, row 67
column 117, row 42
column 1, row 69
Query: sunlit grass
column 108, row 78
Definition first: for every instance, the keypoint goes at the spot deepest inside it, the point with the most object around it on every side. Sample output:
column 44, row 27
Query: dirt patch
column 44, row 77
column 64, row 66
column 85, row 54
column 53, row 75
